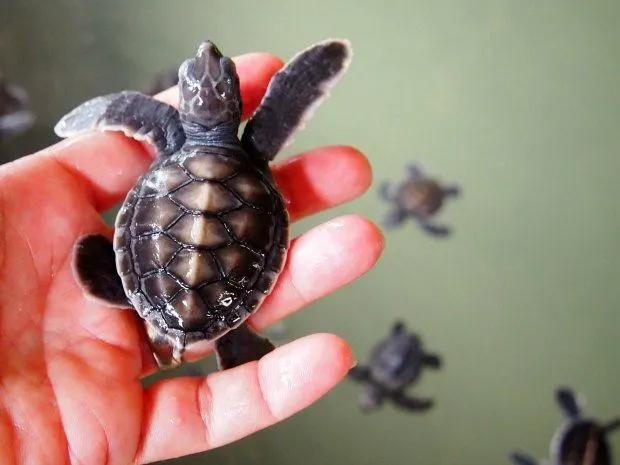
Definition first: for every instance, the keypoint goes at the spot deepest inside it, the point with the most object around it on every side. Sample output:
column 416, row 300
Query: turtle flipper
column 359, row 373
column 412, row 403
column 94, row 266
column 394, row 218
column 292, row 96
column 134, row 113
column 239, row 346
column 434, row 229
column 431, row 360
column 567, row 400
column 520, row 459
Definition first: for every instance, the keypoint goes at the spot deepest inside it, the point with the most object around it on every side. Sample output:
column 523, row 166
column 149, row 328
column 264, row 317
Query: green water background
column 516, row 101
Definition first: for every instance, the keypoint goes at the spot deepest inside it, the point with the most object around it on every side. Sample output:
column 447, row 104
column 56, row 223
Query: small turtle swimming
column 395, row 364
column 579, row 440
column 15, row 118
column 417, row 198
column 202, row 237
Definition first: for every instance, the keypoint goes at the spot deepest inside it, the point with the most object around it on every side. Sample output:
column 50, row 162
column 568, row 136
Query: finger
column 107, row 164
column 319, row 262
column 188, row 415
column 322, row 178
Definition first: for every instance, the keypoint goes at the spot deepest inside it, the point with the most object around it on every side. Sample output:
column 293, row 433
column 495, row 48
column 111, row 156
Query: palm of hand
column 70, row 380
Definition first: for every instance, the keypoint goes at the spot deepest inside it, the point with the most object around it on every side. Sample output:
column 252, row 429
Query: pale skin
column 70, row 378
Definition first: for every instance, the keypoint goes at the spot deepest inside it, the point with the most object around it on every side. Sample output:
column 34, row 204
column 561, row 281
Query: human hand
column 70, row 382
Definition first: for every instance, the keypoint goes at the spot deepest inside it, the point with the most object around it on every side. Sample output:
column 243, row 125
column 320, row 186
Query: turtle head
column 209, row 89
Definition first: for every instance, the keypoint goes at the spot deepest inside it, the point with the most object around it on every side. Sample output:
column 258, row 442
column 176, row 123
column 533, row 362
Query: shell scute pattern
column 421, row 196
column 201, row 241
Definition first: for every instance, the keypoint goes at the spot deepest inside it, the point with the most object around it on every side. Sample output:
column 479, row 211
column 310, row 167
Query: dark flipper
column 431, row 360
column 434, row 229
column 567, row 401
column 412, row 403
column 94, row 266
column 612, row 426
column 359, row 373
column 520, row 459
column 136, row 114
column 240, row 346
column 452, row 191
column 292, row 96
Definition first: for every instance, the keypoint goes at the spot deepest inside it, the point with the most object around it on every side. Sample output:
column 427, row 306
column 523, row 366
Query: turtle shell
column 200, row 241
column 397, row 361
column 420, row 196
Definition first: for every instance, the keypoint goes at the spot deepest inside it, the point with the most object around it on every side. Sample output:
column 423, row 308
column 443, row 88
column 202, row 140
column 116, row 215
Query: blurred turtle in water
column 162, row 81
column 15, row 118
column 395, row 364
column 417, row 198
column 579, row 440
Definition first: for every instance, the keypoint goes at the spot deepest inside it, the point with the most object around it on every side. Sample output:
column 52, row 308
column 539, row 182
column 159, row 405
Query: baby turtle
column 418, row 198
column 579, row 440
column 203, row 235
column 395, row 363
column 14, row 116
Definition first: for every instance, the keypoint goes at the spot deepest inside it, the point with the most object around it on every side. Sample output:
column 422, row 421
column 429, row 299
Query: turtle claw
column 94, row 265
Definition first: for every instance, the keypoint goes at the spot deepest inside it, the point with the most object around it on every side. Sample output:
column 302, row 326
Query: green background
column 516, row 101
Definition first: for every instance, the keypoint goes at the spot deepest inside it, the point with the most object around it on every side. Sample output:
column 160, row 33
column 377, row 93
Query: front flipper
column 137, row 115
column 239, row 346
column 431, row 360
column 292, row 96
column 520, row 459
column 394, row 218
column 412, row 403
column 567, row 400
column 94, row 266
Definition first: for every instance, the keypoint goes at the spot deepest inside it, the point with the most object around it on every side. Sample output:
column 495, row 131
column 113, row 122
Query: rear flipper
column 520, row 459
column 137, row 115
column 94, row 266
column 292, row 96
column 412, row 403
column 433, row 229
column 239, row 346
